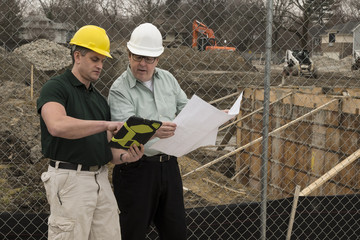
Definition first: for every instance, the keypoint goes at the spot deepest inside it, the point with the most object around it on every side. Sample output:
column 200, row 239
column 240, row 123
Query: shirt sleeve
column 181, row 98
column 121, row 108
column 52, row 91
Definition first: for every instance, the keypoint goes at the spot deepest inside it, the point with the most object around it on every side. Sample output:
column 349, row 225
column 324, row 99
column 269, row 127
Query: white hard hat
column 146, row 40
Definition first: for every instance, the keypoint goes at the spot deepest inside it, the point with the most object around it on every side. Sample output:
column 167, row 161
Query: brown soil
column 210, row 75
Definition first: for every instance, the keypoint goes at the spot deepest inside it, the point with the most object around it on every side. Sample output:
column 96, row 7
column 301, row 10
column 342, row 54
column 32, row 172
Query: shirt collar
column 133, row 80
column 75, row 82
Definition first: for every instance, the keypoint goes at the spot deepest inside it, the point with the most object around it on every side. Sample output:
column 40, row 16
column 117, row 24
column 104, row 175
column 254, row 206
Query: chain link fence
column 286, row 168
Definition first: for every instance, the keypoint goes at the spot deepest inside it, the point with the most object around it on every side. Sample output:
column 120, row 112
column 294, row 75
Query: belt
column 72, row 166
column 158, row 158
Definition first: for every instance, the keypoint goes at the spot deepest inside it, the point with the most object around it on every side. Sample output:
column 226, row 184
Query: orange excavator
column 203, row 38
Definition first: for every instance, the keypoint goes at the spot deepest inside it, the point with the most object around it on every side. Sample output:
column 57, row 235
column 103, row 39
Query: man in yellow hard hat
column 148, row 190
column 75, row 130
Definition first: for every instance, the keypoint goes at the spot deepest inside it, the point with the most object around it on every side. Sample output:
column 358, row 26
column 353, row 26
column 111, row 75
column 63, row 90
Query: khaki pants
column 82, row 205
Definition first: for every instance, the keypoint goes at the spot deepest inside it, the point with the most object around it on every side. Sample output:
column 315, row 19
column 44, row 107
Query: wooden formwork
column 311, row 131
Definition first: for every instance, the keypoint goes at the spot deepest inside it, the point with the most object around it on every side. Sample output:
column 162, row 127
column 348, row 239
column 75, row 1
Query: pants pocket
column 45, row 178
column 61, row 227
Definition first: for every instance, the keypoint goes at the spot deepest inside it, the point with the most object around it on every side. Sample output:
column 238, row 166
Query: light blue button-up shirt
column 129, row 97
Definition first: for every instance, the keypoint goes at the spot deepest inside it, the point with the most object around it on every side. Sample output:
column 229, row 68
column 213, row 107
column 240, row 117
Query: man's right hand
column 114, row 127
column 166, row 130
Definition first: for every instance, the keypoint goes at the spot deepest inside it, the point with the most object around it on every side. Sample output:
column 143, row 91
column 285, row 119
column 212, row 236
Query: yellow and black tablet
column 136, row 130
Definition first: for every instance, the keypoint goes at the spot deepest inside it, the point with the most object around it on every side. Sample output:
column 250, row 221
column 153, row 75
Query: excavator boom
column 203, row 38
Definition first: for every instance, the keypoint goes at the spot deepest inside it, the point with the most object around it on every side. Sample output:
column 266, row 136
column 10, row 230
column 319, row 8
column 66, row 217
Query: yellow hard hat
column 93, row 38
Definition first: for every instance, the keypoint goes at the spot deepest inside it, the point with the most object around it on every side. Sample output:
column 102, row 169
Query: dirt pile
column 20, row 156
column 188, row 59
column 45, row 55
column 14, row 68
column 209, row 187
column 324, row 63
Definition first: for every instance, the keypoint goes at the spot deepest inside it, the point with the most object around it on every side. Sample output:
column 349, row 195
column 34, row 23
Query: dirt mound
column 14, row 68
column 188, row 59
column 20, row 156
column 324, row 63
column 45, row 55
column 185, row 58
column 211, row 187
column 19, row 120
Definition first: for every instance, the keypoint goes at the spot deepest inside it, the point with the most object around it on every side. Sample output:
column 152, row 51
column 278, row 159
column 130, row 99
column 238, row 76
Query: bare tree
column 76, row 12
column 350, row 9
column 10, row 21
column 281, row 13
column 144, row 10
column 171, row 7
column 247, row 23
column 49, row 8
column 213, row 13
column 305, row 14
column 115, row 19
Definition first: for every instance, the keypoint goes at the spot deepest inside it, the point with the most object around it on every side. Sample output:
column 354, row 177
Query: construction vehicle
column 203, row 38
column 356, row 60
column 298, row 62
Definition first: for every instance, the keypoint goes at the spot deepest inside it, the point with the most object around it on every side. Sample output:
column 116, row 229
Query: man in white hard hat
column 75, row 130
column 148, row 190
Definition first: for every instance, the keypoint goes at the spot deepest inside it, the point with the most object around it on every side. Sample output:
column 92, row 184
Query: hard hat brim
column 144, row 51
column 99, row 51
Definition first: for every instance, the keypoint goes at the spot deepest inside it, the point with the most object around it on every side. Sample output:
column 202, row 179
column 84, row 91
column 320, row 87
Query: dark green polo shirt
column 81, row 103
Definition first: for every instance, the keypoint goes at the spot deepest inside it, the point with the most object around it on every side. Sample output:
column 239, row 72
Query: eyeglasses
column 138, row 58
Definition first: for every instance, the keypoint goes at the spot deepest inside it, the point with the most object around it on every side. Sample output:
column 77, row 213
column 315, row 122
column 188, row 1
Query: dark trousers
column 150, row 191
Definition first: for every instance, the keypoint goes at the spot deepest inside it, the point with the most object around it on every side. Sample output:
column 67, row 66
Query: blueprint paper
column 197, row 126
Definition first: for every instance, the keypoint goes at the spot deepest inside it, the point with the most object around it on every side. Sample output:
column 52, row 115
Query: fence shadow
column 315, row 218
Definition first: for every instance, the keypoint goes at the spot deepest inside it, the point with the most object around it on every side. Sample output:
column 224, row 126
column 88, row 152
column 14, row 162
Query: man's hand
column 114, row 127
column 166, row 130
column 133, row 154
